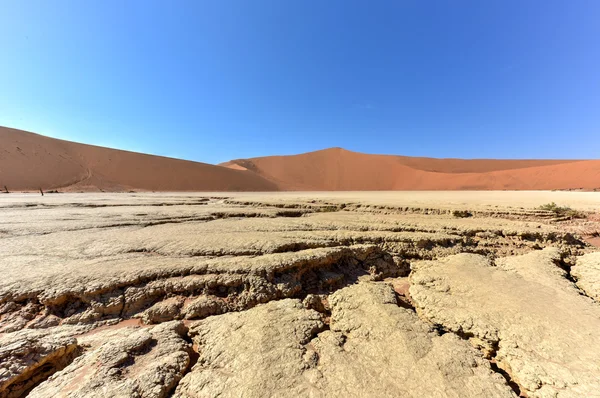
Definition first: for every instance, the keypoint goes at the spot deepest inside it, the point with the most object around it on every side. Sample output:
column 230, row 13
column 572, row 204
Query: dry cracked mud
column 317, row 295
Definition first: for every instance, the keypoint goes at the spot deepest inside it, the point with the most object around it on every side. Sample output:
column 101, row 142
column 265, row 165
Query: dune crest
column 337, row 169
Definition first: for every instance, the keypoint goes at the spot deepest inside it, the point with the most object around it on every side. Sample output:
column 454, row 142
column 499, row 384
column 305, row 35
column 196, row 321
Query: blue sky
column 217, row 80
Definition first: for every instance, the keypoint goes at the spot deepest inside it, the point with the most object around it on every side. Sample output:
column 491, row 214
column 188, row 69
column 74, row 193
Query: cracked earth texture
column 303, row 294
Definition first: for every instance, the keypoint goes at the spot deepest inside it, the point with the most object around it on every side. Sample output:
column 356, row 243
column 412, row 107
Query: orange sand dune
column 29, row 161
column 339, row 169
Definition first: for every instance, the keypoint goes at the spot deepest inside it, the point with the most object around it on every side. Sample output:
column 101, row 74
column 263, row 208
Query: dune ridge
column 339, row 169
column 30, row 161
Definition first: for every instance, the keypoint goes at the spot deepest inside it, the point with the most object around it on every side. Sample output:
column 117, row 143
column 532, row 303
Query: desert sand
column 29, row 162
column 396, row 294
column 338, row 169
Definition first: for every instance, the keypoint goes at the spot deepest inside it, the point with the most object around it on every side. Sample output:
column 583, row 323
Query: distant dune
column 338, row 169
column 30, row 161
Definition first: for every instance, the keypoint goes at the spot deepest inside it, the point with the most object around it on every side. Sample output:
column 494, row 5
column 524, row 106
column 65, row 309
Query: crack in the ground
column 325, row 206
column 239, row 292
column 36, row 374
column 489, row 349
column 408, row 251
column 194, row 355
column 404, row 302
column 182, row 220
column 511, row 383
column 566, row 262
column 489, row 352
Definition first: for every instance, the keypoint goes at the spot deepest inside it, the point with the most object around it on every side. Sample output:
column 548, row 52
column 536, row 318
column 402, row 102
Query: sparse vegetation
column 462, row 213
column 562, row 211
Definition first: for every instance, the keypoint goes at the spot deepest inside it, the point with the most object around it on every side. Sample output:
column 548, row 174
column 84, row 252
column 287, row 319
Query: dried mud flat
column 305, row 294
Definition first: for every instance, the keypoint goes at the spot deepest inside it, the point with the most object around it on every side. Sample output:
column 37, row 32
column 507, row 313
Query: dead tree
column 42, row 192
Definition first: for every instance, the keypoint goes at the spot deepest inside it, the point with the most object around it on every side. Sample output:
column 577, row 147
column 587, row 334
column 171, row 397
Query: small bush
column 562, row 211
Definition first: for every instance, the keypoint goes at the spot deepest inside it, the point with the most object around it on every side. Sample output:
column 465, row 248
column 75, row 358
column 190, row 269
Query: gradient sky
column 223, row 79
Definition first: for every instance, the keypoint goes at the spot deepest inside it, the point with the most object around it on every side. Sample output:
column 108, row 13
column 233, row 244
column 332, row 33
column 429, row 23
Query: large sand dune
column 339, row 169
column 29, row 161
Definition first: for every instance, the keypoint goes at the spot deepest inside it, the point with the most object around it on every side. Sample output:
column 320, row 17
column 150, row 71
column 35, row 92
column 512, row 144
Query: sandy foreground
column 328, row 294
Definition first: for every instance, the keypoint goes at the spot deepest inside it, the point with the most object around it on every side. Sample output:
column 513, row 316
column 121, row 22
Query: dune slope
column 339, row 169
column 30, row 161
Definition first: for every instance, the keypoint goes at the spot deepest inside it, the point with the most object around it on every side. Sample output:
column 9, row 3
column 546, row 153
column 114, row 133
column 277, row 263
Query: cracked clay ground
column 299, row 295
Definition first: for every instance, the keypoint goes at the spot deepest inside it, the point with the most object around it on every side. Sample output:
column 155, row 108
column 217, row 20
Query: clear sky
column 216, row 80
